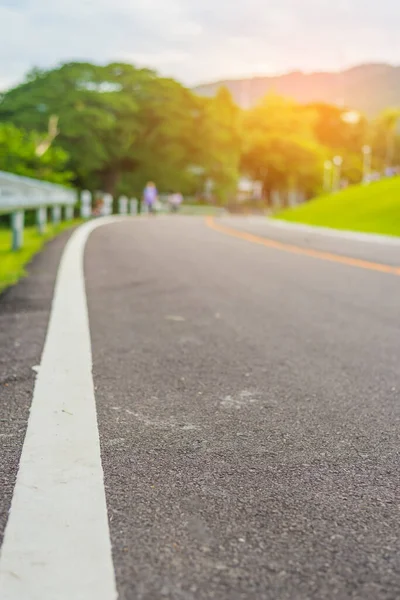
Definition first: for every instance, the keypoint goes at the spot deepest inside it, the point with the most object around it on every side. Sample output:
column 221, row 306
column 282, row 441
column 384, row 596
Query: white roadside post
column 56, row 214
column 17, row 225
column 134, row 206
column 86, row 205
column 41, row 219
column 327, row 176
column 367, row 162
column 107, row 209
column 123, row 205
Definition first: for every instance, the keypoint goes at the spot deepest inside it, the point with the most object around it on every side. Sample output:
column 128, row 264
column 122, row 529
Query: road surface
column 247, row 388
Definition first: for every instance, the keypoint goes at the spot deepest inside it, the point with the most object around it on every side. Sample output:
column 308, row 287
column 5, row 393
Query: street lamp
column 367, row 161
column 337, row 173
column 327, row 176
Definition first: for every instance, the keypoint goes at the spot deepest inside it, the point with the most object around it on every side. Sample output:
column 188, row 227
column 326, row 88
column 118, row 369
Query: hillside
column 369, row 88
column 372, row 209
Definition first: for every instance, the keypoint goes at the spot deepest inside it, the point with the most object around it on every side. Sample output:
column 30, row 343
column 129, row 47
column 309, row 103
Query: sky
column 198, row 41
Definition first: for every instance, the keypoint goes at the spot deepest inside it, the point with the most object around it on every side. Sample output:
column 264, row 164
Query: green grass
column 372, row 209
column 12, row 264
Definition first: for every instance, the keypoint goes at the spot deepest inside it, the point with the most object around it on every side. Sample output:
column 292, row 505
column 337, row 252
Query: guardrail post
column 41, row 219
column 134, row 204
column 86, row 205
column 123, row 205
column 56, row 214
column 107, row 205
column 17, row 225
column 69, row 212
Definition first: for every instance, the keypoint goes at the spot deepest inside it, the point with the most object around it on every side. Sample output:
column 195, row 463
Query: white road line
column 373, row 238
column 57, row 542
column 356, row 236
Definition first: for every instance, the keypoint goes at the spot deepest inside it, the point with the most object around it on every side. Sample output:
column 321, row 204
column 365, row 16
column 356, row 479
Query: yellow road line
column 319, row 254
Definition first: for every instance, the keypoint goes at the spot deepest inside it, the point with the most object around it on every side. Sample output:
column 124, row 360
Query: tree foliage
column 280, row 147
column 121, row 125
column 385, row 137
column 18, row 154
column 115, row 127
column 221, row 149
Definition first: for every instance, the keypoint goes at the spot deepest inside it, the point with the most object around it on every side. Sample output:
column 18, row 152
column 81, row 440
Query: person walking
column 175, row 200
column 150, row 197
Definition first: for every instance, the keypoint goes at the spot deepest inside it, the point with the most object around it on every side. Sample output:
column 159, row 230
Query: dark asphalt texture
column 24, row 314
column 249, row 413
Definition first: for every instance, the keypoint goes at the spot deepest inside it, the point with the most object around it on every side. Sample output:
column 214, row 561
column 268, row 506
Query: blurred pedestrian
column 150, row 197
column 175, row 200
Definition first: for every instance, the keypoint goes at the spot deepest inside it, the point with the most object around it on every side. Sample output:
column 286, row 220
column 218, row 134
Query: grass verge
column 371, row 209
column 12, row 264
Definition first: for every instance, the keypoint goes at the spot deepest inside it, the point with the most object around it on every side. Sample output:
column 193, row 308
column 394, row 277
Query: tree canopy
column 121, row 125
column 280, row 146
column 18, row 154
column 114, row 127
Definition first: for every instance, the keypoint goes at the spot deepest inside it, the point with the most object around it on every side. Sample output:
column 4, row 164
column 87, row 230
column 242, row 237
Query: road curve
column 247, row 397
column 248, row 406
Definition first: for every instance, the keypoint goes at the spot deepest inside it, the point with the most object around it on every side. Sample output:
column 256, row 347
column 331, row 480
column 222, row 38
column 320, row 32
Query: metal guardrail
column 18, row 194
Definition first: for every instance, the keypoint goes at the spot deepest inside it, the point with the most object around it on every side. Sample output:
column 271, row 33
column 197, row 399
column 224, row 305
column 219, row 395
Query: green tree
column 386, row 139
column 167, row 141
column 343, row 132
column 220, row 126
column 119, row 124
column 97, row 123
column 280, row 147
column 339, row 129
column 19, row 155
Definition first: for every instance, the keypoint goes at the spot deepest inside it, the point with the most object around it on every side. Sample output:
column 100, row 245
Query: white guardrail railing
column 18, row 194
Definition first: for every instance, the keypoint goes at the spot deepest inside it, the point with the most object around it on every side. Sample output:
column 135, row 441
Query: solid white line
column 57, row 543
column 356, row 236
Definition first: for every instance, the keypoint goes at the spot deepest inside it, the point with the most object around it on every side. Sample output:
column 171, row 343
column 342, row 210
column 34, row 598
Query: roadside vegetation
column 13, row 264
column 115, row 127
column 373, row 208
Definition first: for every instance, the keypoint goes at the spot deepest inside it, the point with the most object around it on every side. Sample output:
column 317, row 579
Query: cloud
column 198, row 40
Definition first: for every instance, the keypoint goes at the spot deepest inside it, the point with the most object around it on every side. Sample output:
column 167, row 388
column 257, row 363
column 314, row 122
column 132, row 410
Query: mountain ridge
column 369, row 87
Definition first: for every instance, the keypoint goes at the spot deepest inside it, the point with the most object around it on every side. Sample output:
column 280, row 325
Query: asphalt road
column 248, row 410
